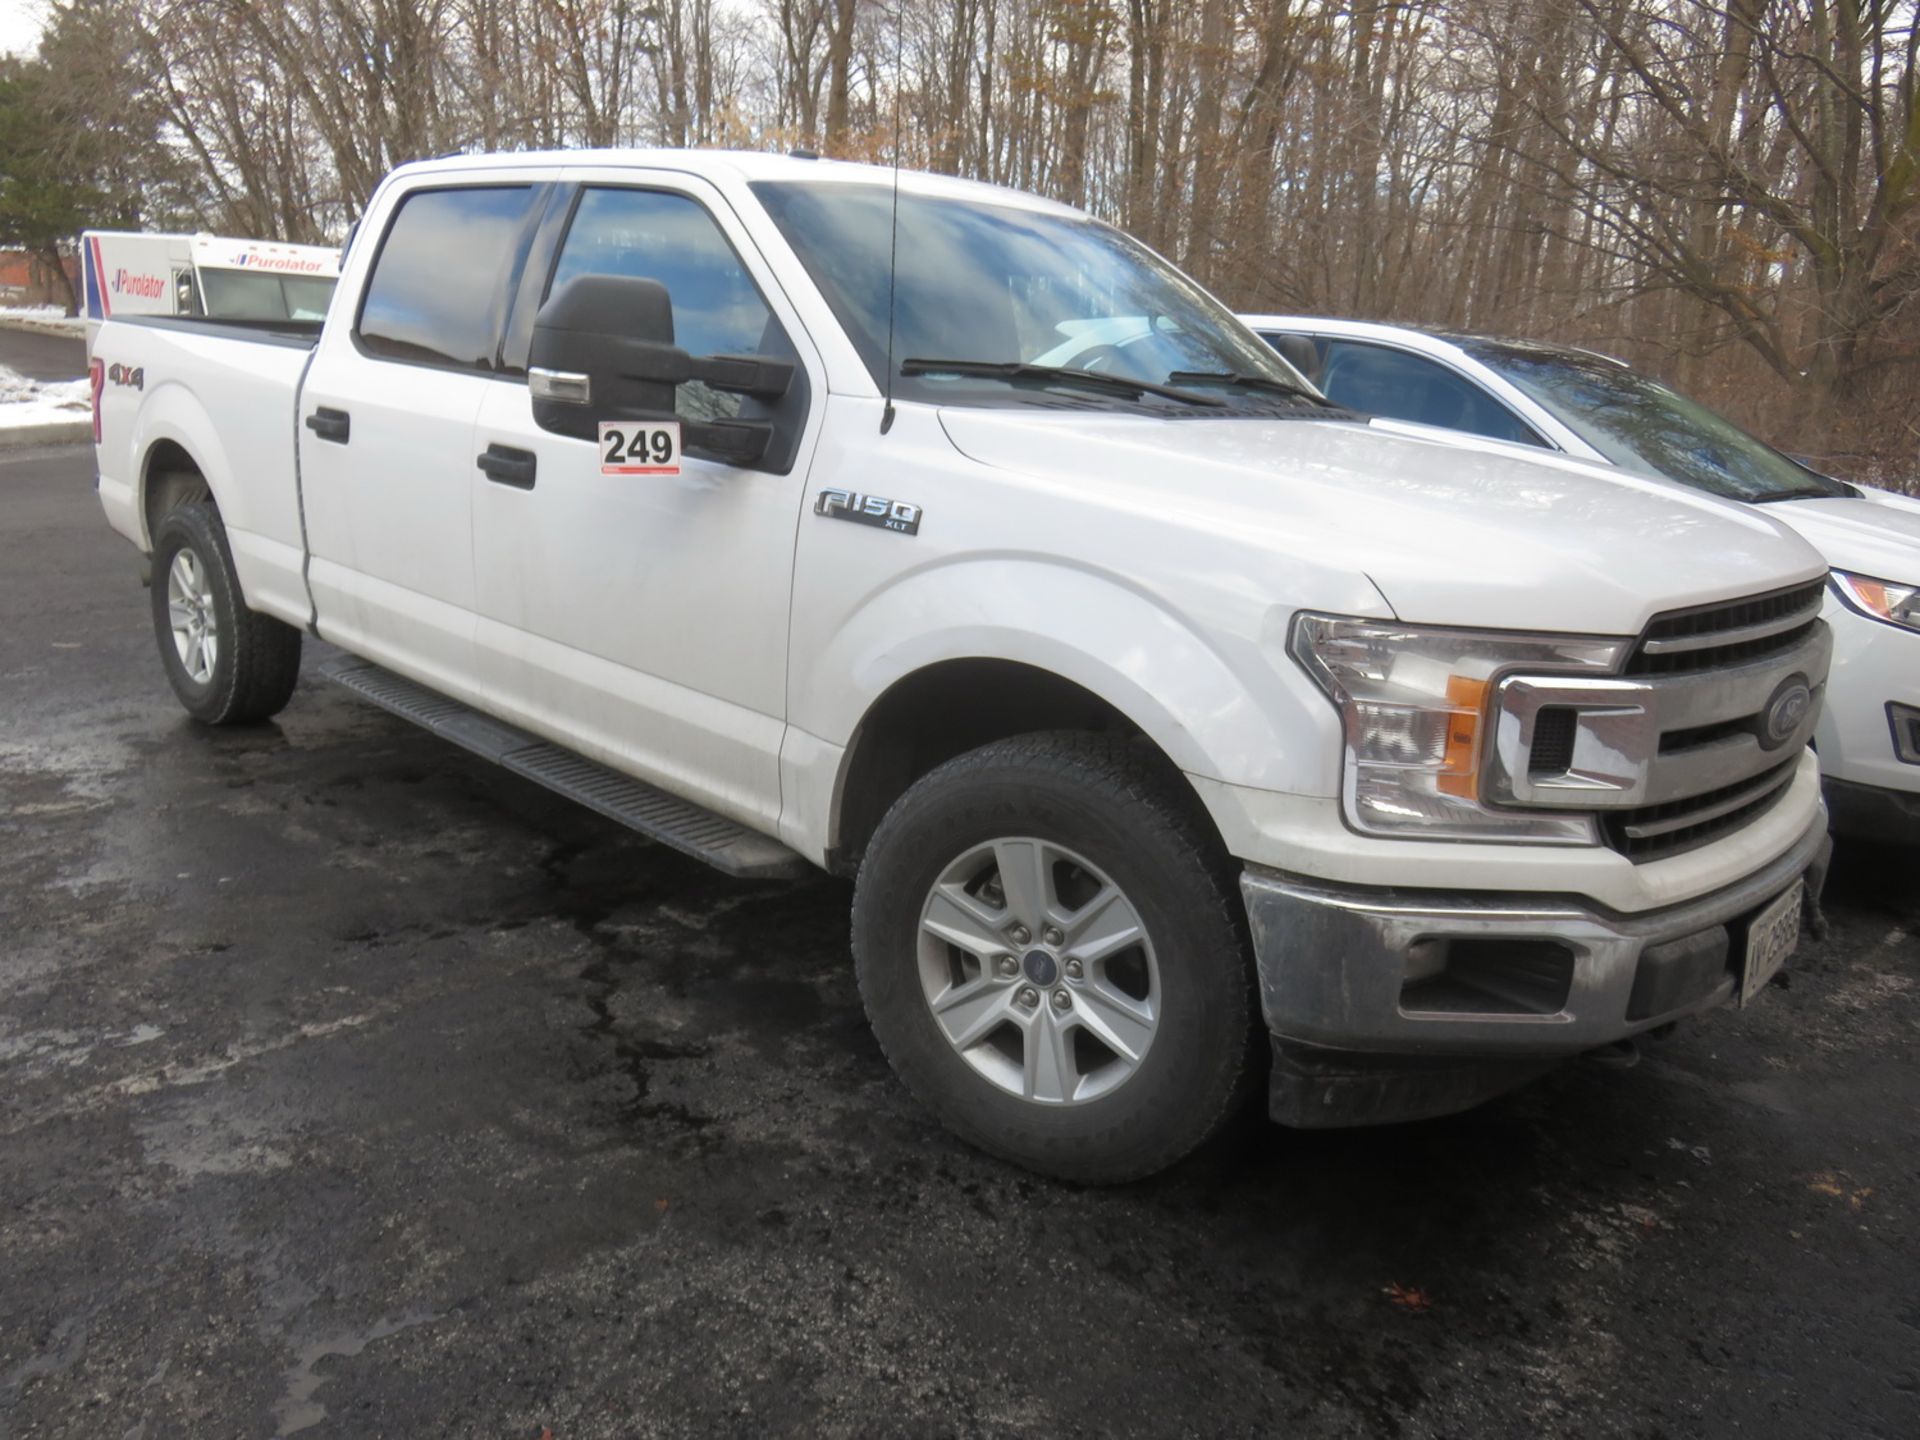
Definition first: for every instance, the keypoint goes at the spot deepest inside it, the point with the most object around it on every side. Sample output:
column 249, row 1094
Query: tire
column 1043, row 1087
column 256, row 659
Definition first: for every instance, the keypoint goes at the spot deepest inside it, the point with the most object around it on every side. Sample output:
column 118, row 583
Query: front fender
column 1231, row 709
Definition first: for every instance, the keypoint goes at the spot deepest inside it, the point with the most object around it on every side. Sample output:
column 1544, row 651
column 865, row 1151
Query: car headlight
column 1414, row 705
column 1880, row 599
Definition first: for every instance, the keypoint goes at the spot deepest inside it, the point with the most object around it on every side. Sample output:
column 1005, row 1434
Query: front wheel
column 1051, row 953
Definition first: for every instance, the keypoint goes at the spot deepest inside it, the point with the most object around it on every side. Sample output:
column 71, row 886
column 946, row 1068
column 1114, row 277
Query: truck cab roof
column 742, row 167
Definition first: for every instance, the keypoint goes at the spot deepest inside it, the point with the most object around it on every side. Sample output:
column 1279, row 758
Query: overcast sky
column 20, row 25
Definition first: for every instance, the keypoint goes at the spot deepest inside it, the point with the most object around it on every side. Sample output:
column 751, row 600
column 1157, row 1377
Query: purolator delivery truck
column 128, row 273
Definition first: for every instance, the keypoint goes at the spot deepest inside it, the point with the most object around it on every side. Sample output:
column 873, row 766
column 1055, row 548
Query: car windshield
column 262, row 295
column 1641, row 425
column 1005, row 285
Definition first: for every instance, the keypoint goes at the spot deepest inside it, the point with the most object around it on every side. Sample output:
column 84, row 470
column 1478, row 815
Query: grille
column 1708, row 637
column 1654, row 832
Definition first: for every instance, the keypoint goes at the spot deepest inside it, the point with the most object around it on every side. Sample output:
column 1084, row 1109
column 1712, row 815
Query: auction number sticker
column 640, row 447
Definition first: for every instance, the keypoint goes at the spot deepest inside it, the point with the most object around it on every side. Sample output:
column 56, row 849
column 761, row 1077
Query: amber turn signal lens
column 1460, row 771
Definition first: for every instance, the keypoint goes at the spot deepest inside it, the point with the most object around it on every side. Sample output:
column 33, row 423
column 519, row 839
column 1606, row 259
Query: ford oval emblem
column 1786, row 712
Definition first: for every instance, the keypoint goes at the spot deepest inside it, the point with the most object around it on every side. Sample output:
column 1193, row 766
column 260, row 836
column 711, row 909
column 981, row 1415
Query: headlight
column 1414, row 705
column 1881, row 599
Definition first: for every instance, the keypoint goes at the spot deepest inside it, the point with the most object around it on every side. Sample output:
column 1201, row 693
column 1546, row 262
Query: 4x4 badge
column 897, row 515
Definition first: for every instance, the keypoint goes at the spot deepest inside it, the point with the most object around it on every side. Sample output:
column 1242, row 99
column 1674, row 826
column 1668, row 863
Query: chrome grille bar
column 1691, row 816
column 1714, row 639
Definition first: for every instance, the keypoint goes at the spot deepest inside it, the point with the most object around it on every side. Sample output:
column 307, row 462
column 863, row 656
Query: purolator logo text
column 147, row 287
column 277, row 262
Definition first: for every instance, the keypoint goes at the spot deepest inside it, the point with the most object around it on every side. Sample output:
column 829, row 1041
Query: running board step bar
column 686, row 827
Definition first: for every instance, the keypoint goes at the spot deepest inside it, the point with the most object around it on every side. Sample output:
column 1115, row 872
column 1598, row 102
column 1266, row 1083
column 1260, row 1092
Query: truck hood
column 1876, row 535
column 1449, row 535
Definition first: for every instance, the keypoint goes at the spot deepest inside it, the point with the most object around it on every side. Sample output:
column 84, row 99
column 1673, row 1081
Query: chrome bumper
column 1496, row 976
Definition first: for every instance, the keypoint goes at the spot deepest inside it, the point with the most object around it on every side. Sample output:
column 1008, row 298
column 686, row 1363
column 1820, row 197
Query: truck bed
column 224, row 393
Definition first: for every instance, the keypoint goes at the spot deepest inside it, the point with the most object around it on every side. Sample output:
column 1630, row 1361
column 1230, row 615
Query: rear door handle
column 505, row 465
column 331, row 425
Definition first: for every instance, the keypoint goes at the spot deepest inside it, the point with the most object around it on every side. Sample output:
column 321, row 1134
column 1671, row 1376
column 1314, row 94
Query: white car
column 1155, row 709
column 1596, row 408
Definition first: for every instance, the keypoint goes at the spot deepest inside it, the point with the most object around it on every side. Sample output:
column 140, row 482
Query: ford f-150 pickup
column 1180, row 731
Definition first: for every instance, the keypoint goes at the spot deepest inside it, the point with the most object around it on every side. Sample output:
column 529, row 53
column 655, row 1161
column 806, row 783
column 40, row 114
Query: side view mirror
column 603, row 350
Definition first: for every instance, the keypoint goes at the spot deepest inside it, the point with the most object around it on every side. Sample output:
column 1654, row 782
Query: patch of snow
column 32, row 402
column 50, row 318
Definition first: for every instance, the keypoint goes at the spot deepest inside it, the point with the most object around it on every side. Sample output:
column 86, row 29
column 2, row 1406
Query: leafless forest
column 1722, row 191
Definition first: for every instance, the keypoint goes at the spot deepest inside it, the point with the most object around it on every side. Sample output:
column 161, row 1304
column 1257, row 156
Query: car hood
column 1450, row 535
column 1877, row 534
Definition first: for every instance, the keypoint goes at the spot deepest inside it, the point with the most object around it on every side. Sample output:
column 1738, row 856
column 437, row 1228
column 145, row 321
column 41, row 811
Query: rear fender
column 171, row 412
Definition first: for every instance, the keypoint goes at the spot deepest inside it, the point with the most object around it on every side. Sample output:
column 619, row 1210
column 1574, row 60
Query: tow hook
column 1620, row 1055
column 1817, row 925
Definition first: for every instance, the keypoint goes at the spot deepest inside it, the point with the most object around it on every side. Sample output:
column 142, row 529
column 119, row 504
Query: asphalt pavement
column 349, row 1086
column 39, row 355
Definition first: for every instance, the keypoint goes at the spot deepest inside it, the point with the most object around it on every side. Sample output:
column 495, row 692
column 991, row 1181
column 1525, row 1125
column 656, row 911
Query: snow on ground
column 30, row 402
column 42, row 317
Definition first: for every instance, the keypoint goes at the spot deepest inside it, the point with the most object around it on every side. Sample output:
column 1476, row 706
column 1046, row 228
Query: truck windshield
column 995, row 287
column 262, row 295
column 1641, row 425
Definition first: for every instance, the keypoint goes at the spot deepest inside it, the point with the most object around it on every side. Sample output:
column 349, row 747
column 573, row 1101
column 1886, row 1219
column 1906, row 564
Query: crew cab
column 1166, row 717
column 1575, row 402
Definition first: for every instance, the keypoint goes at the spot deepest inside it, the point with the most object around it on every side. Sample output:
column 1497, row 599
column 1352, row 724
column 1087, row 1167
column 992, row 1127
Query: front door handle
column 334, row 425
column 505, row 465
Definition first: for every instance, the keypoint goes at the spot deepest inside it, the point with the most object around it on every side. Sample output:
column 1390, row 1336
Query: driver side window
column 657, row 235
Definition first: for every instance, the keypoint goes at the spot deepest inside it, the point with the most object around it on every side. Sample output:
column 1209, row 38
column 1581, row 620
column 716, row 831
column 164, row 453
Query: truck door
column 386, row 429
column 642, row 617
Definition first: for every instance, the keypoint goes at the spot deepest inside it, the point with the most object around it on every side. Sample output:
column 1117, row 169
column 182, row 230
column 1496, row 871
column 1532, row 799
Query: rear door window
column 1376, row 380
column 438, row 283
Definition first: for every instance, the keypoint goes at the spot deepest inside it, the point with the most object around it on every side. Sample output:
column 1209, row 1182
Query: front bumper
column 1515, row 980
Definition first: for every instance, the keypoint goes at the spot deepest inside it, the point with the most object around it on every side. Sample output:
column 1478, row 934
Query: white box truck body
column 126, row 273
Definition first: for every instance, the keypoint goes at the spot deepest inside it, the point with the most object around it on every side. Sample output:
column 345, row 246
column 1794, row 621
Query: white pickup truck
column 1169, row 720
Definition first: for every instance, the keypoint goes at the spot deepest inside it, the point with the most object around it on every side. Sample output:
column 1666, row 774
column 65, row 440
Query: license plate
column 1771, row 938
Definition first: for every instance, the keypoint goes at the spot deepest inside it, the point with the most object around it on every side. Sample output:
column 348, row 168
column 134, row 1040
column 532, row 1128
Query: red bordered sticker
column 649, row 447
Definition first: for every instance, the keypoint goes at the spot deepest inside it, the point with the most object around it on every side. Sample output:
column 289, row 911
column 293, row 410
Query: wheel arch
column 176, row 439
column 947, row 708
column 169, row 476
column 1077, row 646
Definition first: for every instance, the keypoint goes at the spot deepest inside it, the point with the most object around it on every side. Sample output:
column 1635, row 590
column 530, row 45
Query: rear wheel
column 227, row 664
column 1051, row 954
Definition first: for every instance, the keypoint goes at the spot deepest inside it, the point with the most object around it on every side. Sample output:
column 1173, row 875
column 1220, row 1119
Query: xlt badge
column 895, row 515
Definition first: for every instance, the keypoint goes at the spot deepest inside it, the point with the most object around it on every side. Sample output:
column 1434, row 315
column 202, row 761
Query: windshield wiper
column 1809, row 493
column 1249, row 382
column 1016, row 370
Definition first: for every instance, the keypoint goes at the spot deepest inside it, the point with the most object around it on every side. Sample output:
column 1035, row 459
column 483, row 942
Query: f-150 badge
column 896, row 515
